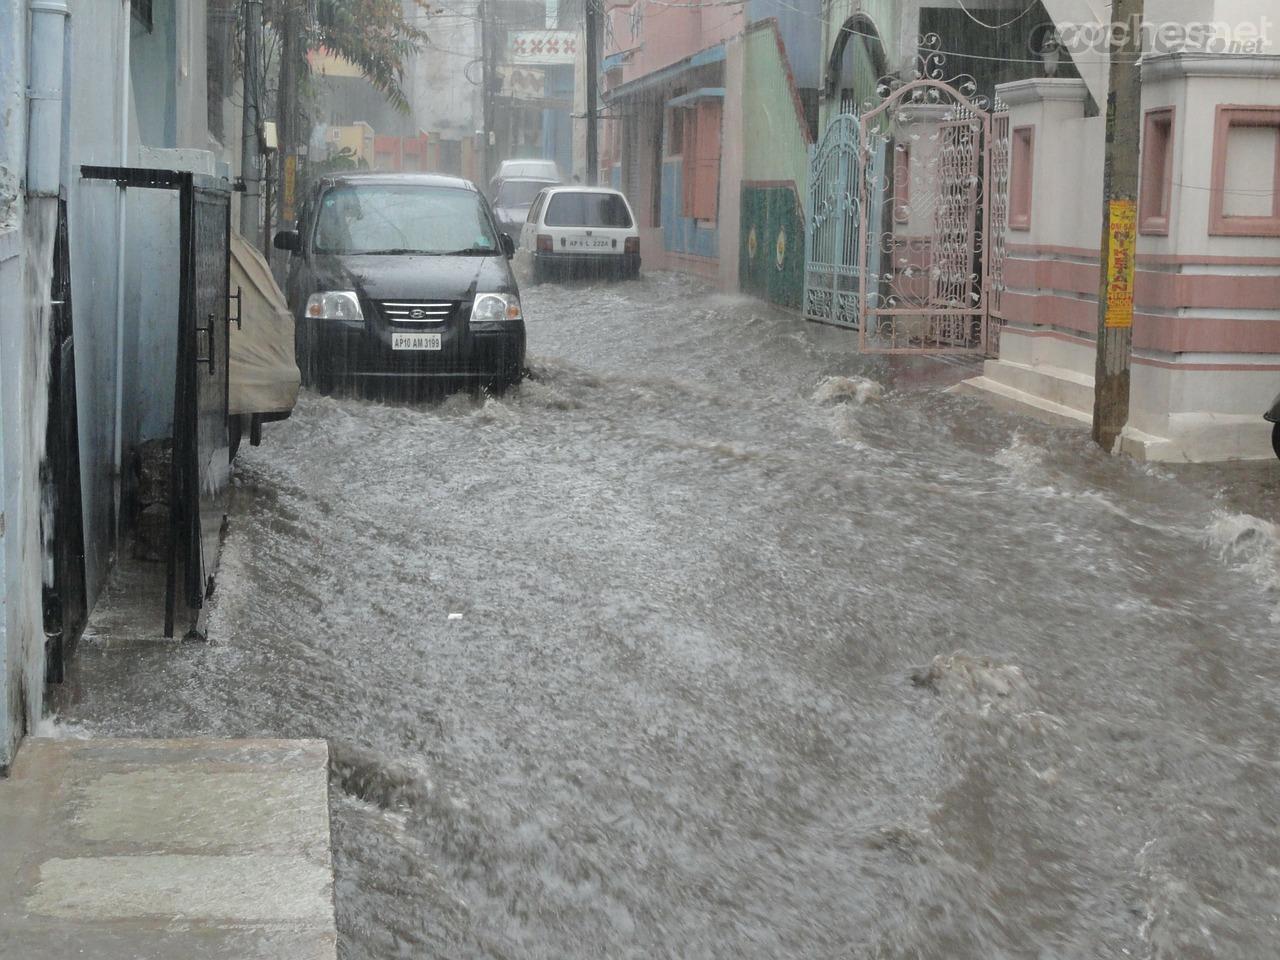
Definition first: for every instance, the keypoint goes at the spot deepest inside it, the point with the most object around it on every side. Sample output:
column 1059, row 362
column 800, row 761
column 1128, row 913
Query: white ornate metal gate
column 831, row 254
column 910, row 252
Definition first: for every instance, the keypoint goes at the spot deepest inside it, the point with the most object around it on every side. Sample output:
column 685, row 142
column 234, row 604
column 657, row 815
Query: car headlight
column 491, row 307
column 334, row 305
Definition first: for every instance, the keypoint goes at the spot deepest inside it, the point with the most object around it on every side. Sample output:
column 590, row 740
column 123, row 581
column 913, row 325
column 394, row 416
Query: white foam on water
column 978, row 685
column 51, row 728
column 1021, row 457
column 856, row 390
column 1024, row 464
column 547, row 395
column 1249, row 544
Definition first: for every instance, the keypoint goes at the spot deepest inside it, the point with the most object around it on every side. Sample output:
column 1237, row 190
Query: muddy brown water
column 620, row 664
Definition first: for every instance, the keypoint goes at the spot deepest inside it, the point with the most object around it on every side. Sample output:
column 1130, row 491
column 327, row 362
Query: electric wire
column 996, row 26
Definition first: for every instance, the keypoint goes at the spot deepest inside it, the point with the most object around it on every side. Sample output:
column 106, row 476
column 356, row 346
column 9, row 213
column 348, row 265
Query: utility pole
column 1119, row 226
column 286, row 114
column 593, row 90
column 250, row 151
column 488, row 72
column 268, row 178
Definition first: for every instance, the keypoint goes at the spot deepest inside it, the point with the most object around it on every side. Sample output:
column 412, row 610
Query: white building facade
column 1206, row 329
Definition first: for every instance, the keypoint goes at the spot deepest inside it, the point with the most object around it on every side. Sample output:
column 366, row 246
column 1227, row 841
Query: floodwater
column 621, row 664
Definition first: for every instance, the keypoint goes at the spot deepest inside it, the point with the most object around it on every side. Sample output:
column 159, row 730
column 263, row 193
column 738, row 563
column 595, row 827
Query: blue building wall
column 557, row 124
column 684, row 234
column 801, row 32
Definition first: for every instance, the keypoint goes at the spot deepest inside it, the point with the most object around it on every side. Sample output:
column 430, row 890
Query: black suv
column 402, row 276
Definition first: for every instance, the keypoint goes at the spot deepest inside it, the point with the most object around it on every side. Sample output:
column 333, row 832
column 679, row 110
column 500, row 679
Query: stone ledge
column 191, row 848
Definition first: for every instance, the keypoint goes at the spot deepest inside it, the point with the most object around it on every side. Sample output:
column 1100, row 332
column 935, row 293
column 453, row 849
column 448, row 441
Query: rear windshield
column 519, row 193
column 528, row 168
column 587, row 210
column 402, row 218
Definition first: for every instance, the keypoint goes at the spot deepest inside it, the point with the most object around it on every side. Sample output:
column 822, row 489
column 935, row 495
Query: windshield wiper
column 389, row 252
column 470, row 252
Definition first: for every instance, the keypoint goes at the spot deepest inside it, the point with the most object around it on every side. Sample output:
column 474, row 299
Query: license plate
column 587, row 244
column 415, row 341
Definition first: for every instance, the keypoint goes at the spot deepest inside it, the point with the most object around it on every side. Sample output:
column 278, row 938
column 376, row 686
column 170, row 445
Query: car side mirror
column 289, row 240
column 508, row 245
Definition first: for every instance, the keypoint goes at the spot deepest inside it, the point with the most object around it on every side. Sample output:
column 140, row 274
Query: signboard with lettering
column 543, row 47
column 1121, row 250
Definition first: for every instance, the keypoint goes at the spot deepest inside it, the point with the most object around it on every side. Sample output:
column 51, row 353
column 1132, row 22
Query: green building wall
column 775, row 173
column 777, row 143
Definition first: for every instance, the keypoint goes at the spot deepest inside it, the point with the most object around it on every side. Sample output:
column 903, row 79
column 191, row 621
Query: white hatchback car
column 583, row 231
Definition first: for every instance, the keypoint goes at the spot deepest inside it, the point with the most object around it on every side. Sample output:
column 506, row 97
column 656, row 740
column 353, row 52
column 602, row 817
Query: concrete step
column 113, row 849
column 1003, row 396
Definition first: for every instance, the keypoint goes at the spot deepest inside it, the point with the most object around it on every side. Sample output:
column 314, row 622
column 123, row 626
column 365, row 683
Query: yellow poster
column 1121, row 252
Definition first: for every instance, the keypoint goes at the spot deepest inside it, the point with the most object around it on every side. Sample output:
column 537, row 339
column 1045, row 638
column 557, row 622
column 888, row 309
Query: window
column 142, row 13
column 535, row 208
column 221, row 19
column 675, row 132
column 701, row 161
column 381, row 218
column 1244, row 196
column 1022, row 161
column 1157, row 172
column 636, row 20
column 519, row 193
column 571, row 208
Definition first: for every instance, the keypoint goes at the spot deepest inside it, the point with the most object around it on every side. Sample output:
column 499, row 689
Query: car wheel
column 539, row 272
column 1275, row 438
column 501, row 384
column 302, row 350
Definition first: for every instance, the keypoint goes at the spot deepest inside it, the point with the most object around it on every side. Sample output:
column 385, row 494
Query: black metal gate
column 65, row 601
column 201, row 461
column 200, row 464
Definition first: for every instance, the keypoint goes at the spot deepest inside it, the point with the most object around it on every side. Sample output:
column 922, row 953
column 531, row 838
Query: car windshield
column 402, row 218
column 528, row 168
column 520, row 193
column 587, row 210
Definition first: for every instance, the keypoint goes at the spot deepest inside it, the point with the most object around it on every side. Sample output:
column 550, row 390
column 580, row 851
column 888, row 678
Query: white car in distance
column 577, row 231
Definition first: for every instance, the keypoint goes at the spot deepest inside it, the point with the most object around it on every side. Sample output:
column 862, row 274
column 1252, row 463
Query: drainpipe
column 46, row 54
column 44, row 93
column 124, row 95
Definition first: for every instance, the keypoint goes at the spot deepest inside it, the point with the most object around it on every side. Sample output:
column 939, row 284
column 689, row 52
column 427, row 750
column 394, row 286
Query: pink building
column 672, row 138
column 1206, row 329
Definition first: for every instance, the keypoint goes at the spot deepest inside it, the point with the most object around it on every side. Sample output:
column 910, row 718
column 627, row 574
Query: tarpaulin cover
column 263, row 372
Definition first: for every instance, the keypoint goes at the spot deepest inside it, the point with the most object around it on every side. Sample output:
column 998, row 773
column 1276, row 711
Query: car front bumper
column 341, row 349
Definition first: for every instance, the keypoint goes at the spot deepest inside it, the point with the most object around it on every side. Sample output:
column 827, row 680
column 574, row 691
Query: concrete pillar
column 732, row 150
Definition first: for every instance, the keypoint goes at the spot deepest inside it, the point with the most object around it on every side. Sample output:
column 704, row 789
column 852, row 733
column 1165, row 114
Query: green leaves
column 375, row 35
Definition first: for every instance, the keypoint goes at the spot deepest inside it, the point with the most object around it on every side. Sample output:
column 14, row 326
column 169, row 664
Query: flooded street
column 621, row 664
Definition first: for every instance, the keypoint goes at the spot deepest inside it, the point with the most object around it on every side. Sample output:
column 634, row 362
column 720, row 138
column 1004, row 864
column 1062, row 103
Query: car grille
column 417, row 311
